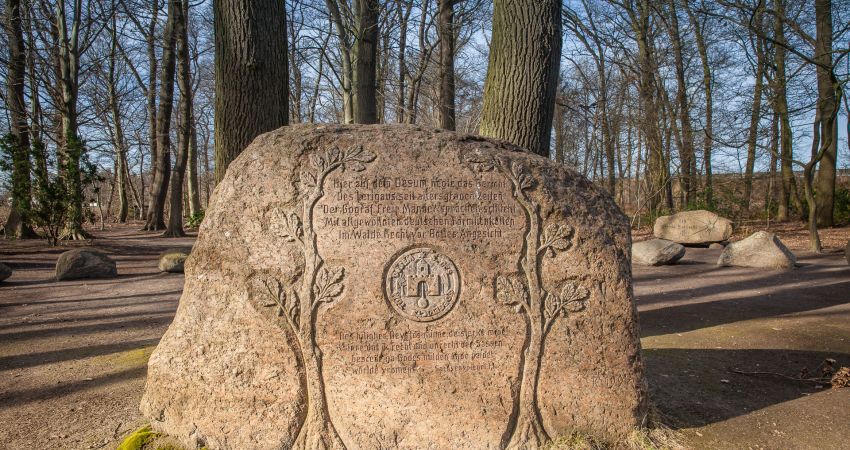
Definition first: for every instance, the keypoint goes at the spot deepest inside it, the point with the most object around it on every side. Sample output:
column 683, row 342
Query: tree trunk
column 788, row 187
column 72, row 147
column 162, row 167
column 825, row 180
column 365, row 60
column 251, row 75
column 18, row 223
column 646, row 92
column 446, row 31
column 118, row 132
column 755, row 115
column 702, row 49
column 184, row 123
column 404, row 8
column 192, row 169
column 686, row 149
column 151, row 97
column 522, row 75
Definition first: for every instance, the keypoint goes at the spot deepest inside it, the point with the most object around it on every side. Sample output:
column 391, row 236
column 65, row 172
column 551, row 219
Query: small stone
column 84, row 263
column 5, row 271
column 716, row 245
column 693, row 227
column 657, row 252
column 761, row 250
column 172, row 260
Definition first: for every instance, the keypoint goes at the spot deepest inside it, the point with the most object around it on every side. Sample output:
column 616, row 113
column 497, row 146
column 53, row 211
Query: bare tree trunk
column 251, row 75
column 151, row 97
column 365, row 61
column 118, row 132
column 192, row 168
column 686, row 149
column 72, row 147
column 404, row 8
column 162, row 168
column 184, row 124
column 18, row 223
column 446, row 32
column 755, row 113
column 827, row 101
column 702, row 49
column 788, row 190
column 522, row 75
column 345, row 49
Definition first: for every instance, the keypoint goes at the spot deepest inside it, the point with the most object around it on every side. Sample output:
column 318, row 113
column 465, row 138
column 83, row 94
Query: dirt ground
column 73, row 354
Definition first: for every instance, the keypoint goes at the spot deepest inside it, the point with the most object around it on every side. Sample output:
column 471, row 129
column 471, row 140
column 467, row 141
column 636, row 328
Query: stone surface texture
column 173, row 259
column 5, row 271
column 84, row 263
column 386, row 286
column 693, row 227
column 761, row 249
column 657, row 252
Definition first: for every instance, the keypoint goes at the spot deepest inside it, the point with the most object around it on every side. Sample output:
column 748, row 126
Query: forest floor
column 73, row 354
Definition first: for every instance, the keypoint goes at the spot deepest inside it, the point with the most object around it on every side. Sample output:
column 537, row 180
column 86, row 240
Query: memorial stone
column 693, row 227
column 368, row 287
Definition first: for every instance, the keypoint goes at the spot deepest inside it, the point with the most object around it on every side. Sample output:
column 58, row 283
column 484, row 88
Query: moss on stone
column 138, row 439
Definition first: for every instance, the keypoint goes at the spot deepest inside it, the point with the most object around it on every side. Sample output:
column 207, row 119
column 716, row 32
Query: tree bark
column 446, row 32
column 702, row 49
column 18, row 223
column 825, row 180
column 686, row 147
column 522, row 75
column 755, row 114
column 162, row 168
column 251, row 75
column 788, row 187
column 118, row 132
column 364, row 59
column 184, row 123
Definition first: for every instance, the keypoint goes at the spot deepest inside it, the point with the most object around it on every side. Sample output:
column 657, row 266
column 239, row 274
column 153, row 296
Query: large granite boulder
column 761, row 249
column 390, row 287
column 657, row 252
column 693, row 227
column 5, row 271
column 84, row 263
column 173, row 259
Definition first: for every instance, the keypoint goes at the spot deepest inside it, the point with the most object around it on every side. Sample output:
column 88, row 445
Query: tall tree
column 755, row 113
column 788, row 186
column 118, row 138
column 162, row 167
column 827, row 102
column 707, row 81
column 686, row 147
column 522, row 74
column 18, row 223
column 365, row 59
column 251, row 74
column 446, row 31
column 184, row 124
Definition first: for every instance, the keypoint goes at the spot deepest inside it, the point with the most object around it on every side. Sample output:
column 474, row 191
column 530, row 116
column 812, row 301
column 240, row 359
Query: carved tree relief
column 299, row 304
column 525, row 292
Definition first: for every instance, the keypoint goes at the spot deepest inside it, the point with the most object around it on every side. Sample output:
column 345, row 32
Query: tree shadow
column 148, row 322
column 54, row 356
column 778, row 294
column 42, row 393
column 694, row 387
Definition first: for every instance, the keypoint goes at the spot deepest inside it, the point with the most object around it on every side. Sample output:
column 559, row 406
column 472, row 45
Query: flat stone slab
column 693, row 227
column 5, row 271
column 84, row 263
column 172, row 260
column 761, row 250
column 391, row 287
column 657, row 252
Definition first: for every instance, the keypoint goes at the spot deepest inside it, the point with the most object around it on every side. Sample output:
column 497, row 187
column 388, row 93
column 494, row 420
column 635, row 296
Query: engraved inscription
column 422, row 284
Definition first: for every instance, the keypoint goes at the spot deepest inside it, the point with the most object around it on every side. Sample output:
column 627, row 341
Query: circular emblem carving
column 422, row 284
